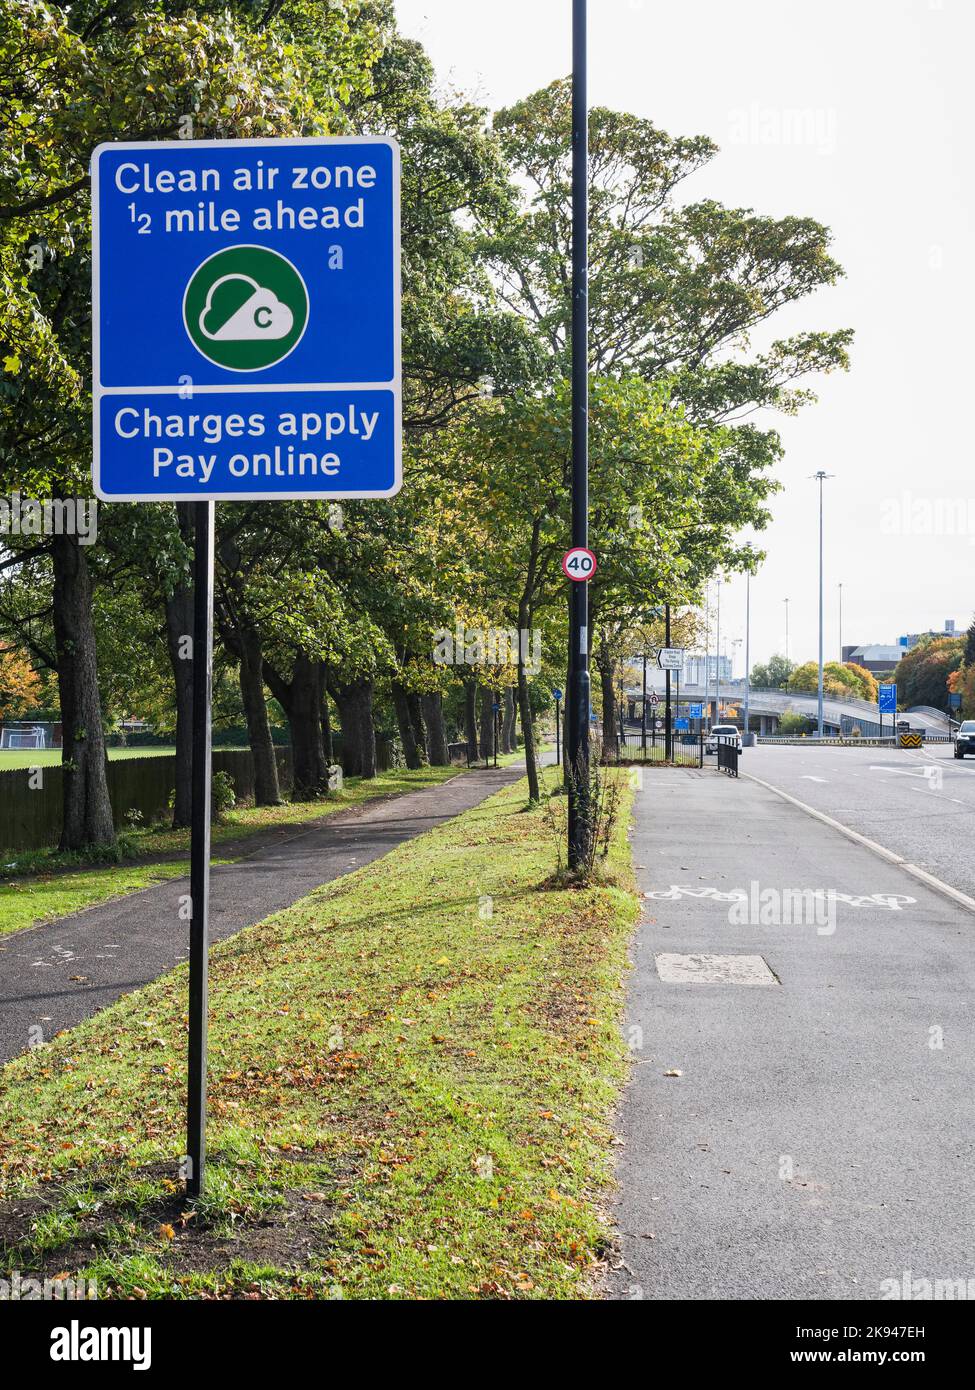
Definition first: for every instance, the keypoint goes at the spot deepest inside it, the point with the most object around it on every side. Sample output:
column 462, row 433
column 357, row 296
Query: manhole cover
column 713, row 970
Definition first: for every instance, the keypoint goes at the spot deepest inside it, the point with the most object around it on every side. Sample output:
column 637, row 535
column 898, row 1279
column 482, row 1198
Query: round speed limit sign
column 579, row 564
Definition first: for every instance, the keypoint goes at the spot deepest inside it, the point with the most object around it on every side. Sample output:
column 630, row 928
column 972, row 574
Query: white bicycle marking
column 893, row 901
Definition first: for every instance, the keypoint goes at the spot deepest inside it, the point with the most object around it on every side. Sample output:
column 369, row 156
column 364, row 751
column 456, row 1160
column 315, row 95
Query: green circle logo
column 245, row 308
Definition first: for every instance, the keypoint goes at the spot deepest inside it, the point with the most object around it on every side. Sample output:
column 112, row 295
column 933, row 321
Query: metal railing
column 728, row 755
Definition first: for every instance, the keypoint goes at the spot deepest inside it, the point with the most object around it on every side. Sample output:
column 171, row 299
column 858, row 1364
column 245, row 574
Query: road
column 918, row 803
column 804, row 1132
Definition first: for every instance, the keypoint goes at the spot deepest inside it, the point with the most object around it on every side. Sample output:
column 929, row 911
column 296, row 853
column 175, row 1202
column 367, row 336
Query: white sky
column 887, row 164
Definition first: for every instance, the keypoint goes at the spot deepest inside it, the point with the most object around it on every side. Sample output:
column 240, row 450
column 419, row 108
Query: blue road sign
column 246, row 335
column 682, row 724
column 954, row 700
column 697, row 711
column 888, row 699
column 557, row 693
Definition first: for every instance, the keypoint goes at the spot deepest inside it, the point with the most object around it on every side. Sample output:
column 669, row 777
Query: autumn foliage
column 20, row 685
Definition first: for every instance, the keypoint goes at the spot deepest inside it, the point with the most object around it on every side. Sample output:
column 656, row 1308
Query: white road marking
column 807, row 778
column 937, row 884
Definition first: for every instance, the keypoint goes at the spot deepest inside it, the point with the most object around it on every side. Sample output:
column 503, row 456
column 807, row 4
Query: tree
column 969, row 653
column 20, row 685
column 839, row 680
column 773, row 676
column 922, row 673
column 677, row 287
column 794, row 725
column 69, row 79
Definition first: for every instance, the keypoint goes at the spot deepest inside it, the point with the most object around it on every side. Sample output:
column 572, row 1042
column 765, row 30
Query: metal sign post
column 668, row 727
column 579, row 689
column 196, row 1098
column 246, row 345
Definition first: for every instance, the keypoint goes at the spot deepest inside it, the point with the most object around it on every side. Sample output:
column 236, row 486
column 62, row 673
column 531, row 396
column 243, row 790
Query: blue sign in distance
column 246, row 319
column 954, row 700
column 888, row 699
column 682, row 724
column 557, row 693
column 696, row 711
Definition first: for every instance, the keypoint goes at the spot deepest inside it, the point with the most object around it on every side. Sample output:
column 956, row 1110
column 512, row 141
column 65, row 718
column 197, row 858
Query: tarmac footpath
column 54, row 975
column 798, row 1121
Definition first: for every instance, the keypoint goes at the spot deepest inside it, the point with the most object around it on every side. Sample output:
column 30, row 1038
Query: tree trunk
column 302, row 704
column 470, row 719
column 267, row 789
column 436, row 733
column 328, row 743
column 525, row 709
column 407, row 733
column 509, row 743
column 358, row 728
column 487, row 723
column 87, row 816
column 611, row 738
column 419, row 730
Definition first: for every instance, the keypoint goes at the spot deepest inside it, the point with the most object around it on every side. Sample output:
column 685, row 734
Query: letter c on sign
column 122, row 169
column 125, row 434
column 263, row 322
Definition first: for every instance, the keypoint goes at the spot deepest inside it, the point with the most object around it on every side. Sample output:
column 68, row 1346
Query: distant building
column 911, row 639
column 879, row 658
column 875, row 658
column 700, row 669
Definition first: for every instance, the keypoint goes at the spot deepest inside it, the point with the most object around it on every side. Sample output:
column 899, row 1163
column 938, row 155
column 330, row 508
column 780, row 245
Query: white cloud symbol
column 261, row 317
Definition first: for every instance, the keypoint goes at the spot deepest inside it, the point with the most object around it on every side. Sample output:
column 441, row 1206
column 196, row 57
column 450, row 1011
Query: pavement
column 54, row 975
column 918, row 803
column 796, row 1126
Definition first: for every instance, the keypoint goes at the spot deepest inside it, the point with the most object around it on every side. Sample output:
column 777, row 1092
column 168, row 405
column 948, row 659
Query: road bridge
column 841, row 716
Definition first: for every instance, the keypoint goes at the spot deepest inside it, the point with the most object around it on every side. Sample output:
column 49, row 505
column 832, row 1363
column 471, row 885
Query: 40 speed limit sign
column 579, row 564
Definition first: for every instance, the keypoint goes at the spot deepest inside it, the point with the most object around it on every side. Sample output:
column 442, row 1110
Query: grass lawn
column 51, row 757
column 26, row 901
column 412, row 1075
column 40, row 885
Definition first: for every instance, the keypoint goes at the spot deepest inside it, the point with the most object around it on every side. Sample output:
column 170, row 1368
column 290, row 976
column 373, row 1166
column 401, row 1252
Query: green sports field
column 51, row 757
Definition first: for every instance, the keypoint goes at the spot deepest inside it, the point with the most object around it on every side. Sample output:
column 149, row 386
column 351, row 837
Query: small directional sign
column 246, row 319
column 888, row 699
column 558, row 693
column 579, row 564
column 682, row 725
column 670, row 658
column 697, row 711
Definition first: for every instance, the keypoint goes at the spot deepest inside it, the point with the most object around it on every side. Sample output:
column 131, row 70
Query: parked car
column 965, row 738
column 723, row 733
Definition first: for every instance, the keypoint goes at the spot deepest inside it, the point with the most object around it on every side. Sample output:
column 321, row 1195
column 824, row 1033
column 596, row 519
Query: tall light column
column 841, row 620
column 821, row 477
column 748, row 636
column 717, row 662
column 786, row 601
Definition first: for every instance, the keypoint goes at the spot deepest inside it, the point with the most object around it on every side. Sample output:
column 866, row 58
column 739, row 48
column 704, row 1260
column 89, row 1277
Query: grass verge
column 42, row 885
column 412, row 1072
